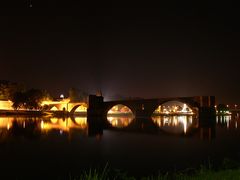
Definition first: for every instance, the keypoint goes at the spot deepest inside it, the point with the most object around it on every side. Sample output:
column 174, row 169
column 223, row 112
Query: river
column 56, row 148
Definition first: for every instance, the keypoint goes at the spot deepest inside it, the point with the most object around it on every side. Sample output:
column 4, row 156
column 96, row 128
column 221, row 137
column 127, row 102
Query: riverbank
column 39, row 113
column 21, row 113
column 219, row 175
column 229, row 170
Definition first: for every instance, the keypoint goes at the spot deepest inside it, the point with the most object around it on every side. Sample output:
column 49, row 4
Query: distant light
column 62, row 96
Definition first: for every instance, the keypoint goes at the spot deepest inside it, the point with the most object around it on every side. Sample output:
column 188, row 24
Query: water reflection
column 45, row 124
column 175, row 124
column 64, row 124
column 228, row 121
column 120, row 121
column 181, row 124
column 32, row 127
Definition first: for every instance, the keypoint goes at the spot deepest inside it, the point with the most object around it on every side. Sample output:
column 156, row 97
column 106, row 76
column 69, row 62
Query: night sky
column 138, row 50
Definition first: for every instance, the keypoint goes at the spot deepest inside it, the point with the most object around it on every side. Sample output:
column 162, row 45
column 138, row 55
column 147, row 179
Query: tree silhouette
column 7, row 89
column 18, row 99
column 30, row 99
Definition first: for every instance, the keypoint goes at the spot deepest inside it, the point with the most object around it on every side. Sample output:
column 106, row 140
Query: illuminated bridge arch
column 174, row 106
column 119, row 116
column 75, row 107
column 119, row 109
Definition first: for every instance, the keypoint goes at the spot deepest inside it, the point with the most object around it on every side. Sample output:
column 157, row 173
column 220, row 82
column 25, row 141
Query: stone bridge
column 65, row 105
column 144, row 108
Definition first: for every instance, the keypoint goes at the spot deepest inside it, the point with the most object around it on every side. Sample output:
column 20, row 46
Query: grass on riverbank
column 206, row 175
column 229, row 170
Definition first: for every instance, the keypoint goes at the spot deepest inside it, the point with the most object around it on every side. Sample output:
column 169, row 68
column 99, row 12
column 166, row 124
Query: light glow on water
column 120, row 122
column 177, row 124
column 45, row 124
column 120, row 116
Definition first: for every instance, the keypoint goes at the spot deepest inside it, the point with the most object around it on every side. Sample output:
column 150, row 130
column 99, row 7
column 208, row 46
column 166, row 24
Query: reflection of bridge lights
column 42, row 125
column 183, row 120
column 81, row 121
column 165, row 121
column 54, row 120
column 120, row 121
column 47, row 124
column 65, row 125
column 176, row 122
column 110, row 119
column 190, row 120
column 4, row 121
column 227, row 119
column 8, row 126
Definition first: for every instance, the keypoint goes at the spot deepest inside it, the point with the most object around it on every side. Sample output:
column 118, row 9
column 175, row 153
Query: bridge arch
column 119, row 108
column 119, row 115
column 75, row 107
column 178, row 103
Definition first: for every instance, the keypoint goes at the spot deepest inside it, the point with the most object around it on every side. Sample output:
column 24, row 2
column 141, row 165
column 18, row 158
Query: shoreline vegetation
column 199, row 175
column 229, row 169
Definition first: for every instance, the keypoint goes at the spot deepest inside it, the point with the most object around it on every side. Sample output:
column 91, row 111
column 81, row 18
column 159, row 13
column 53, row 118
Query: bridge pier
column 207, row 110
column 142, row 113
column 95, row 106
